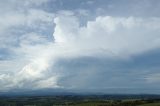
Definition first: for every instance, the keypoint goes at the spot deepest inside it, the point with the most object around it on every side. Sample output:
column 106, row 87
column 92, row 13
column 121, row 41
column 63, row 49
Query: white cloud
column 35, row 2
column 153, row 78
column 32, row 39
column 21, row 30
column 106, row 35
column 13, row 19
column 47, row 83
column 120, row 35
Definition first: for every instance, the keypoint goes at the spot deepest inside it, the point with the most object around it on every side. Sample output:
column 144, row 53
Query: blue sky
column 98, row 45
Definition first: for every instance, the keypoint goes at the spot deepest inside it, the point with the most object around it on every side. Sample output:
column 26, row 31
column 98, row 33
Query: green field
column 107, row 104
column 151, row 104
column 91, row 100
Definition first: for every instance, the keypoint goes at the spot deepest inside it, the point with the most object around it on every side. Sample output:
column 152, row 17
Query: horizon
column 105, row 46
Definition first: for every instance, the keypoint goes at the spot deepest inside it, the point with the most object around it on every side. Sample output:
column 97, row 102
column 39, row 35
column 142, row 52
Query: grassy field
column 151, row 104
column 91, row 100
column 105, row 104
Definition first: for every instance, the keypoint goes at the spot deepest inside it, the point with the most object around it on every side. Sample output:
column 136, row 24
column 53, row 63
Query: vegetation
column 83, row 100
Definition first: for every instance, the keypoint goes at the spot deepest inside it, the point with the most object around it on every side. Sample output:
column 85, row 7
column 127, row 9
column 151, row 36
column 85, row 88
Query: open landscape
column 82, row 100
column 79, row 52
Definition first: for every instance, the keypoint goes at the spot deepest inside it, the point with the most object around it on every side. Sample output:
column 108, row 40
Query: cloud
column 119, row 35
column 22, row 25
column 37, row 56
column 113, row 37
column 35, row 2
column 153, row 78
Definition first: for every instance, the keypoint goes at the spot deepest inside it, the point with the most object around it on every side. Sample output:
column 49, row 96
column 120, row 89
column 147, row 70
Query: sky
column 110, row 46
